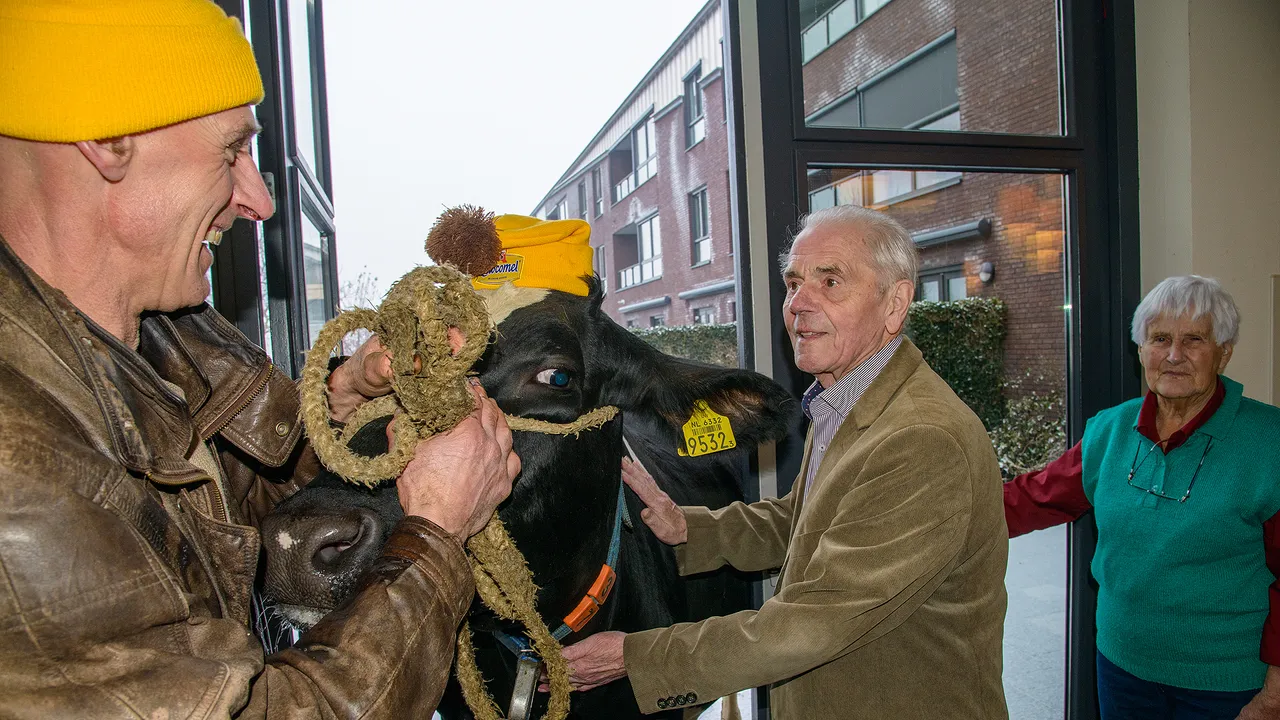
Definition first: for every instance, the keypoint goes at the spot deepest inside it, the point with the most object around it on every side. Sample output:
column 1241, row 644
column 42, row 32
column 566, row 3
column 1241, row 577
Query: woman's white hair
column 893, row 253
column 1190, row 295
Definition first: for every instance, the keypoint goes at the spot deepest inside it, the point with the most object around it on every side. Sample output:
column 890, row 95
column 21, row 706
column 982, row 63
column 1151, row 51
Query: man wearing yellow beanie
column 142, row 437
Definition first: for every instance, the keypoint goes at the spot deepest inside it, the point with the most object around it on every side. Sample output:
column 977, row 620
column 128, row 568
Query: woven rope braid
column 412, row 323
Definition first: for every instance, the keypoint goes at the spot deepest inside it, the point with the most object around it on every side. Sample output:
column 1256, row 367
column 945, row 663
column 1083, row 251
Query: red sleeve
column 1271, row 628
column 1055, row 495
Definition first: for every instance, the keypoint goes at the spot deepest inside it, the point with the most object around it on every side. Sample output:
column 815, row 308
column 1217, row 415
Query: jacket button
column 679, row 700
column 691, row 698
column 662, row 703
column 282, row 428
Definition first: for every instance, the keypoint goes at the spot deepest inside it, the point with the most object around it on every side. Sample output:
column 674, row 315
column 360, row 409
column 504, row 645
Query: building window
column 875, row 188
column 942, row 285
column 582, row 200
column 704, row 316
column 922, row 93
column 826, row 21
column 601, row 268
column 645, row 246
column 700, row 226
column 631, row 322
column 596, row 194
column 657, row 320
column 695, row 115
column 559, row 211
column 635, row 160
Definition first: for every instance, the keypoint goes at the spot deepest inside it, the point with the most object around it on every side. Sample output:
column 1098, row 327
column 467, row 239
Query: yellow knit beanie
column 74, row 70
column 550, row 254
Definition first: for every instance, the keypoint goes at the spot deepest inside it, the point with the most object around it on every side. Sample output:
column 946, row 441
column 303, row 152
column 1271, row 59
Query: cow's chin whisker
column 301, row 617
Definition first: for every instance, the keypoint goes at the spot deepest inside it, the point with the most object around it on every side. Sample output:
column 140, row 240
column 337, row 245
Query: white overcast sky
column 433, row 104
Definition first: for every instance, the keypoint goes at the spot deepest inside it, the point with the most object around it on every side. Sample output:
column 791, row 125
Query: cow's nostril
column 329, row 553
column 344, row 541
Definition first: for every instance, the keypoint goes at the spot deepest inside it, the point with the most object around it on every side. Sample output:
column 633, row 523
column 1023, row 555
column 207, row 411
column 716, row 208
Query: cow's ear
column 759, row 410
column 641, row 380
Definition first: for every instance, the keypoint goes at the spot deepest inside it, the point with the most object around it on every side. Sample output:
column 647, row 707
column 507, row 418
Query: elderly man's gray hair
column 893, row 253
column 1190, row 295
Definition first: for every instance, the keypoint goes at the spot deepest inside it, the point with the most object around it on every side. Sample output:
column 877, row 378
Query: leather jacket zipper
column 227, row 416
column 215, row 494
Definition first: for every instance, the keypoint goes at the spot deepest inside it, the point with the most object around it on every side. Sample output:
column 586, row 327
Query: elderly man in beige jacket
column 892, row 542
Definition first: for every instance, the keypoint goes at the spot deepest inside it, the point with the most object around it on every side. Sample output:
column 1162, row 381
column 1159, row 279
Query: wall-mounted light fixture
column 986, row 272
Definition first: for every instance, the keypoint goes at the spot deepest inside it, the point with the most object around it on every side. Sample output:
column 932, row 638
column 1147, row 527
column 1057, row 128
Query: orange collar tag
column 595, row 597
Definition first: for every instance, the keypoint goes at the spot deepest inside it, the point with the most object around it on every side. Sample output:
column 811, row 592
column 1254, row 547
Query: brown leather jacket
column 126, row 572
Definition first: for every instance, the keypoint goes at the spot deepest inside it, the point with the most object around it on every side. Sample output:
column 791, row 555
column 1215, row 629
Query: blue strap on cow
column 519, row 644
column 527, row 660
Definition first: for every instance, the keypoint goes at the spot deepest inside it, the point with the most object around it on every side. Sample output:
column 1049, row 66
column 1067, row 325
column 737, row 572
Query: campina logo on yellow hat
column 73, row 70
column 548, row 254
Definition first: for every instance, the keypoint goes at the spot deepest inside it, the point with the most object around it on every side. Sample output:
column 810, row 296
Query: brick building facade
column 975, row 65
column 979, row 65
column 654, row 184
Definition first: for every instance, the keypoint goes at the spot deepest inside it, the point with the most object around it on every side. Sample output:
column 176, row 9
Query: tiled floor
column 1035, row 626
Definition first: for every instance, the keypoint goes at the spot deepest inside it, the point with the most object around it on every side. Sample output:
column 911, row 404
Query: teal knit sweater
column 1183, row 587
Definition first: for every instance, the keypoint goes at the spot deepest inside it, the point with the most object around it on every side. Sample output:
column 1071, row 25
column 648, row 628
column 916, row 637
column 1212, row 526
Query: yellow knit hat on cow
column 549, row 254
column 74, row 70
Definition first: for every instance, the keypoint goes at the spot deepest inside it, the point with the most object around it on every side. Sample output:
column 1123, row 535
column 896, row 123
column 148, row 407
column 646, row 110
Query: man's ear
column 111, row 157
column 896, row 305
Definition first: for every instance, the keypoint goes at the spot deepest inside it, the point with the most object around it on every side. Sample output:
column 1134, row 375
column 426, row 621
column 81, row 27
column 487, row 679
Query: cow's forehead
column 508, row 298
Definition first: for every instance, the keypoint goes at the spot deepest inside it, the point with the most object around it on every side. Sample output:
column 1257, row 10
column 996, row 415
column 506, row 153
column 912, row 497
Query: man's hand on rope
column 593, row 661
column 367, row 375
column 457, row 478
column 661, row 513
column 364, row 376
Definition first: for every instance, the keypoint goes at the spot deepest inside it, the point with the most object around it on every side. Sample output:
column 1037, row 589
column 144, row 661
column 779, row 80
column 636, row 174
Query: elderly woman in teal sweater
column 1185, row 487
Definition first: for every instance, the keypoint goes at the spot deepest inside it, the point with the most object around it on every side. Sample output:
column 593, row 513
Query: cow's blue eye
column 555, row 377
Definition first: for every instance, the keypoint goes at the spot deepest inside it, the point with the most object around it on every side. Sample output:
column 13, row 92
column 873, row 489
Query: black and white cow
column 556, row 356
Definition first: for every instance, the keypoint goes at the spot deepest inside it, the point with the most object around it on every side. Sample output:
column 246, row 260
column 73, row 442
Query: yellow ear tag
column 706, row 432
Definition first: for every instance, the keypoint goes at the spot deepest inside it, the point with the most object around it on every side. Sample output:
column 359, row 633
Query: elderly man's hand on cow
column 661, row 514
column 457, row 478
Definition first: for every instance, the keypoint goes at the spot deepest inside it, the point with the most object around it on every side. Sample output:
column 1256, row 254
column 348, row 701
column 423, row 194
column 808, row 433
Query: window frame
column 695, row 125
column 279, row 321
column 597, row 185
column 699, row 214
column 944, row 275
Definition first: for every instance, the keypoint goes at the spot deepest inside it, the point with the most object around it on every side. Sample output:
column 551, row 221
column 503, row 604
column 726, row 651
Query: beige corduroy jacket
column 890, row 602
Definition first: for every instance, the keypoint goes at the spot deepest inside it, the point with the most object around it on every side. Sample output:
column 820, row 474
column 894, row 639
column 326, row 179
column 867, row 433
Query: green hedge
column 1034, row 430
column 714, row 344
column 963, row 341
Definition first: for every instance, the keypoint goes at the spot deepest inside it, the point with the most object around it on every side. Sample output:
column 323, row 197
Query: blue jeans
column 1123, row 696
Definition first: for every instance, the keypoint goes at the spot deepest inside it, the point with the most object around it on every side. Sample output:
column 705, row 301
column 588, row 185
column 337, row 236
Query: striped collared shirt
column 827, row 408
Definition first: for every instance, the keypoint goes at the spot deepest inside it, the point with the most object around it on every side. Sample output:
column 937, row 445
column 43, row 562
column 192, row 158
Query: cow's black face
column 552, row 360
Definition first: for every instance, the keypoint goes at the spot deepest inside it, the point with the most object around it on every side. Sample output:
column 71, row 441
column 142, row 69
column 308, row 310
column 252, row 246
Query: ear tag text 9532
column 706, row 432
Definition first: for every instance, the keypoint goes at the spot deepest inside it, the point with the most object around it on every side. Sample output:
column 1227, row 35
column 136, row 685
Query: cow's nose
column 313, row 559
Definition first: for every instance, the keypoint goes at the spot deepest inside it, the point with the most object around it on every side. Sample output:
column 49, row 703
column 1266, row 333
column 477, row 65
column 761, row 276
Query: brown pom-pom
column 466, row 238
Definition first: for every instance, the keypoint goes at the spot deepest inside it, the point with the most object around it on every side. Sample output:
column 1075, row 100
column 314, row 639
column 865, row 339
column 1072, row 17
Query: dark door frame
column 1098, row 158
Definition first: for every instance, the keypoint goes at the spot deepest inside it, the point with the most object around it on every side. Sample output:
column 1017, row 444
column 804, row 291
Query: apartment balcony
column 638, row 177
column 641, row 272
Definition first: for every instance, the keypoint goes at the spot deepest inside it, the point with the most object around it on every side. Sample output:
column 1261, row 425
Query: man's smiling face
column 186, row 184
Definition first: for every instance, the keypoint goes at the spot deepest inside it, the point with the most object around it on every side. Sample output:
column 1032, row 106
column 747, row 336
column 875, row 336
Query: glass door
column 999, row 135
